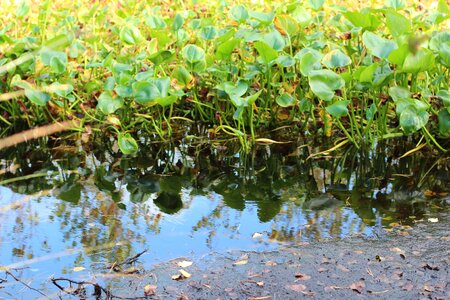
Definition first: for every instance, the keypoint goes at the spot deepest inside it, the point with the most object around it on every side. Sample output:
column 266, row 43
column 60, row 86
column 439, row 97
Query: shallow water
column 93, row 209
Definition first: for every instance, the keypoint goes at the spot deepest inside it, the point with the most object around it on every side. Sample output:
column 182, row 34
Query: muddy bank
column 406, row 263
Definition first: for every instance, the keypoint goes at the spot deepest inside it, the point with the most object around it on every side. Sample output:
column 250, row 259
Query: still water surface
column 91, row 210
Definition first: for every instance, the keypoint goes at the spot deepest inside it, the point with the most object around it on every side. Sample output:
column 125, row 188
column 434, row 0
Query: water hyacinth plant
column 132, row 68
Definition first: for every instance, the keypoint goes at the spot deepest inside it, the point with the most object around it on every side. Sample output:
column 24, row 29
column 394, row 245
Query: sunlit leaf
column 109, row 104
column 378, row 46
column 336, row 59
column 37, row 97
column 285, row 100
column 338, row 109
column 130, row 35
column 127, row 144
column 323, row 83
column 239, row 13
column 267, row 53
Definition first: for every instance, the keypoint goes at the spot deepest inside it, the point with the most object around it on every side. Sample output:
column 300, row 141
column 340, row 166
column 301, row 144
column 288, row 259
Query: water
column 94, row 208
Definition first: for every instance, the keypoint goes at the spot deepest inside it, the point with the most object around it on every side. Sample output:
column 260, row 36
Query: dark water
column 95, row 207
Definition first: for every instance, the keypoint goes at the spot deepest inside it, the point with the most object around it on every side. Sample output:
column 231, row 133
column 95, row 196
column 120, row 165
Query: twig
column 127, row 261
column 98, row 289
column 30, row 287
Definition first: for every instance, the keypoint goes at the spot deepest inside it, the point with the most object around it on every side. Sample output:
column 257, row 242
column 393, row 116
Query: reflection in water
column 178, row 200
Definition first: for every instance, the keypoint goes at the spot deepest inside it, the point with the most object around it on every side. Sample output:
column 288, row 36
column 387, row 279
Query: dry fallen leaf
column 297, row 287
column 358, row 286
column 428, row 288
column 342, row 268
column 301, row 276
column 184, row 264
column 433, row 220
column 260, row 283
column 149, row 289
column 271, row 263
column 241, row 262
column 184, row 273
column 397, row 250
column 78, row 269
column 407, row 286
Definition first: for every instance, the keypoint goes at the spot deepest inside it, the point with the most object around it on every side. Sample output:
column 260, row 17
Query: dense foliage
column 135, row 67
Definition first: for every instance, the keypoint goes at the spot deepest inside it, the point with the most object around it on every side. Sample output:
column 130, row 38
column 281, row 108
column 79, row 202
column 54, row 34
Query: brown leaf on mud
column 182, row 275
column 296, row 287
column 301, row 276
column 358, row 286
column 342, row 268
column 407, row 286
column 184, row 264
column 260, row 283
column 428, row 288
column 241, row 262
column 271, row 263
column 149, row 289
column 397, row 275
column 397, row 250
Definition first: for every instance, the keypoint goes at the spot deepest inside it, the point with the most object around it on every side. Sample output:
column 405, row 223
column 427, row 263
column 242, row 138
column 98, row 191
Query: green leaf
column 378, row 46
column 57, row 60
column 444, row 122
column 166, row 101
column 422, row 61
column 130, row 35
column 127, row 144
column 323, row 83
column 155, row 22
column 192, row 53
column 177, row 22
column 275, row 40
column 412, row 120
column 107, row 104
column 398, row 56
column 338, row 109
column 208, row 33
column 225, row 49
column 399, row 92
column 263, row 18
column 239, row 13
column 370, row 113
column 285, row 100
column 37, row 97
column 22, row 9
column 123, row 90
column 145, row 92
column 397, row 24
column 285, row 61
column 309, row 62
column 267, row 53
column 62, row 90
column 367, row 21
column 316, row 4
column 336, row 59
column 161, row 57
column 404, row 104
column 286, row 25
column 440, row 43
column 444, row 95
column 57, row 65
column 396, row 4
column 182, row 76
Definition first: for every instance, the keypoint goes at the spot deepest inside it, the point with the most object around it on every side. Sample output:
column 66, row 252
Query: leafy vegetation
column 134, row 68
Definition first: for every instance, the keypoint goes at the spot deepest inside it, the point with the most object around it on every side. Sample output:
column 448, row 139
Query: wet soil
column 405, row 263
